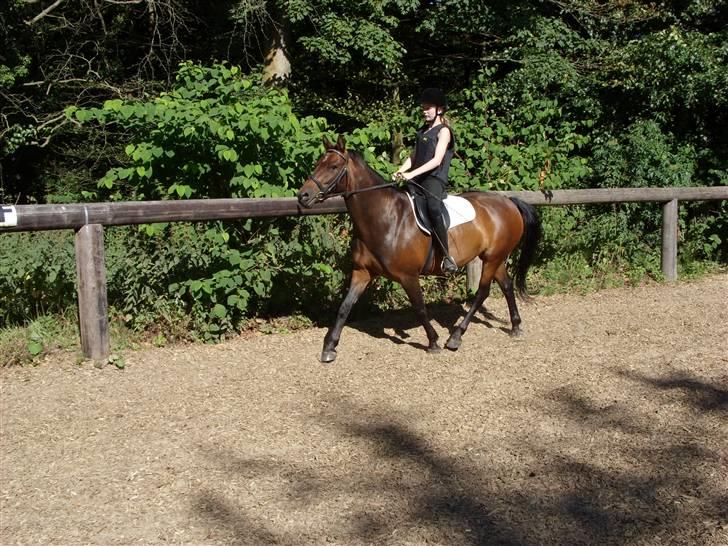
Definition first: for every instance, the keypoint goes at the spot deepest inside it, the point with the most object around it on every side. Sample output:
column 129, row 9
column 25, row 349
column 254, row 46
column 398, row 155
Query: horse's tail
column 529, row 244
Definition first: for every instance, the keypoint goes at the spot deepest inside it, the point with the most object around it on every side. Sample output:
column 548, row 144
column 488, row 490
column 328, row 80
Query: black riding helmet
column 434, row 95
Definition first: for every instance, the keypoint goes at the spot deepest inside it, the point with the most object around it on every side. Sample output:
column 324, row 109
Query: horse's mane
column 357, row 157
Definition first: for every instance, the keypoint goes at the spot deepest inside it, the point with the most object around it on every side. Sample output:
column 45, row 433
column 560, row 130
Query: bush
column 37, row 275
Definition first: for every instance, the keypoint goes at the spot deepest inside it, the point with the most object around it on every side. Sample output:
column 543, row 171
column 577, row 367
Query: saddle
column 421, row 215
column 456, row 211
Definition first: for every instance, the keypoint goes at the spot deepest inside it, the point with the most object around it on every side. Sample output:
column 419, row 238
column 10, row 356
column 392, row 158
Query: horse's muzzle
column 306, row 198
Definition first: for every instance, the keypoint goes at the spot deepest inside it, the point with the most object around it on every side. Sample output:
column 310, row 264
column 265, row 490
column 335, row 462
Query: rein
column 326, row 191
column 370, row 188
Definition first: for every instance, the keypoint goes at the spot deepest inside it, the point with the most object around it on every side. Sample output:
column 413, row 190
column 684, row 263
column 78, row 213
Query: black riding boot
column 448, row 263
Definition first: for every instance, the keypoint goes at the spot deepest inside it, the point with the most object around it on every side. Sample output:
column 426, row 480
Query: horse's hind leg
column 412, row 286
column 486, row 277
column 359, row 281
column 506, row 286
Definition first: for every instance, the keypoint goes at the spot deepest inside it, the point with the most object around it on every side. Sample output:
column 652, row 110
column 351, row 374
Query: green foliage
column 675, row 75
column 595, row 247
column 117, row 360
column 184, row 281
column 10, row 74
column 522, row 143
column 22, row 345
column 601, row 246
column 17, row 136
column 340, row 39
column 14, row 62
column 358, row 36
column 217, row 133
column 646, row 156
column 705, row 233
column 37, row 274
column 643, row 156
column 187, row 282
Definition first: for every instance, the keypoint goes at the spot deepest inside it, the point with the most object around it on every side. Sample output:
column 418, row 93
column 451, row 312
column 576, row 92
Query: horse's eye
column 332, row 167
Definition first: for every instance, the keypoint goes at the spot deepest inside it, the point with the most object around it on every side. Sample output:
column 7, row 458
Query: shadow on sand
column 645, row 484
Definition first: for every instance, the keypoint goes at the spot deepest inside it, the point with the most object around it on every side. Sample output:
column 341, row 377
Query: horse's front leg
column 412, row 286
column 360, row 279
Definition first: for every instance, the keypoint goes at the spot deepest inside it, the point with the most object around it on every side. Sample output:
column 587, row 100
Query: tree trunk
column 277, row 63
column 397, row 145
column 397, row 136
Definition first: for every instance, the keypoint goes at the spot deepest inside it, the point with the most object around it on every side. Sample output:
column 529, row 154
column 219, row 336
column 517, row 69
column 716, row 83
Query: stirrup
column 448, row 265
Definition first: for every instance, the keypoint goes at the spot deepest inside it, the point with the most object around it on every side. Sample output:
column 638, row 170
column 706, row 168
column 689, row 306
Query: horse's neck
column 374, row 210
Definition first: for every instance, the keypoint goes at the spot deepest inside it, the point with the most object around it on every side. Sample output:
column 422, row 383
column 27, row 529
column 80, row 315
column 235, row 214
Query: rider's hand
column 399, row 177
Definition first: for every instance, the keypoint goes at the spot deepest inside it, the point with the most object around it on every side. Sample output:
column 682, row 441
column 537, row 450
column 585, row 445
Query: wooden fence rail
column 44, row 217
column 88, row 221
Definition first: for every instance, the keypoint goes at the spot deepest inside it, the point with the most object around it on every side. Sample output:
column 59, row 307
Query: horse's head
column 329, row 174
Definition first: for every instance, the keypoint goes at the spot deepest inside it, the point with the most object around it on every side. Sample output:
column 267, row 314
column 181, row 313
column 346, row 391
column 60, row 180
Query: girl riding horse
column 388, row 242
column 427, row 168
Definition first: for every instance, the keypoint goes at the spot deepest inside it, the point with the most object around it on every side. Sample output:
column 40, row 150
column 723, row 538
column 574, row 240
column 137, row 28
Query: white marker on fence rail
column 8, row 216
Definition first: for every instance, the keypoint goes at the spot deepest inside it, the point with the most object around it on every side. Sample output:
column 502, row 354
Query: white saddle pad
column 459, row 209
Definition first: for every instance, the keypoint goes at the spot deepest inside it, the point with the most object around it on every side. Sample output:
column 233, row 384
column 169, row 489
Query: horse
column 387, row 241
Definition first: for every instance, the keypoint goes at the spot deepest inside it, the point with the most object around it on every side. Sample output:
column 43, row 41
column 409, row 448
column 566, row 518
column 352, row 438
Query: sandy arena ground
column 607, row 423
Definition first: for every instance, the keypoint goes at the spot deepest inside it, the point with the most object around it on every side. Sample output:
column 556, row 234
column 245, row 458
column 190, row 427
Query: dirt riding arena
column 606, row 423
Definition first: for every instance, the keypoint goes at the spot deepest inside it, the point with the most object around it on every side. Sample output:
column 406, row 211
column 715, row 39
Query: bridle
column 325, row 191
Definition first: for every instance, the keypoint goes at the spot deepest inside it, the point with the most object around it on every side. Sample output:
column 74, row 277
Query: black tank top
column 425, row 146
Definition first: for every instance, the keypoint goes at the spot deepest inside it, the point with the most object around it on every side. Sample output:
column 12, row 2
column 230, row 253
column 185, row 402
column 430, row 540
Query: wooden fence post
column 669, row 240
column 93, row 308
column 472, row 274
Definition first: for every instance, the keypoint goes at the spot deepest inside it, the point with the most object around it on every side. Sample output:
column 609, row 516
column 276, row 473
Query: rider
column 429, row 164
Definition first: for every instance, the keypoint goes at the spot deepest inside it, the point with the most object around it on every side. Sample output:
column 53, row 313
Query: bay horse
column 387, row 241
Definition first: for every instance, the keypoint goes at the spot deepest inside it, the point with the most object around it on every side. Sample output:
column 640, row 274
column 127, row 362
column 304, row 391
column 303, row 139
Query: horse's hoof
column 434, row 349
column 328, row 356
column 453, row 344
column 516, row 332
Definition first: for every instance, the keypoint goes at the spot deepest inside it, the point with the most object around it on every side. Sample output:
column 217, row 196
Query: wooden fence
column 88, row 220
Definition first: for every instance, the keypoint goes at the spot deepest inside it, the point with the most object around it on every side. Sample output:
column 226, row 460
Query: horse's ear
column 327, row 143
column 341, row 144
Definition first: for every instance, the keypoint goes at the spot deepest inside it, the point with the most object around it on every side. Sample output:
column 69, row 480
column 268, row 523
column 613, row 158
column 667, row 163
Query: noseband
column 324, row 191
